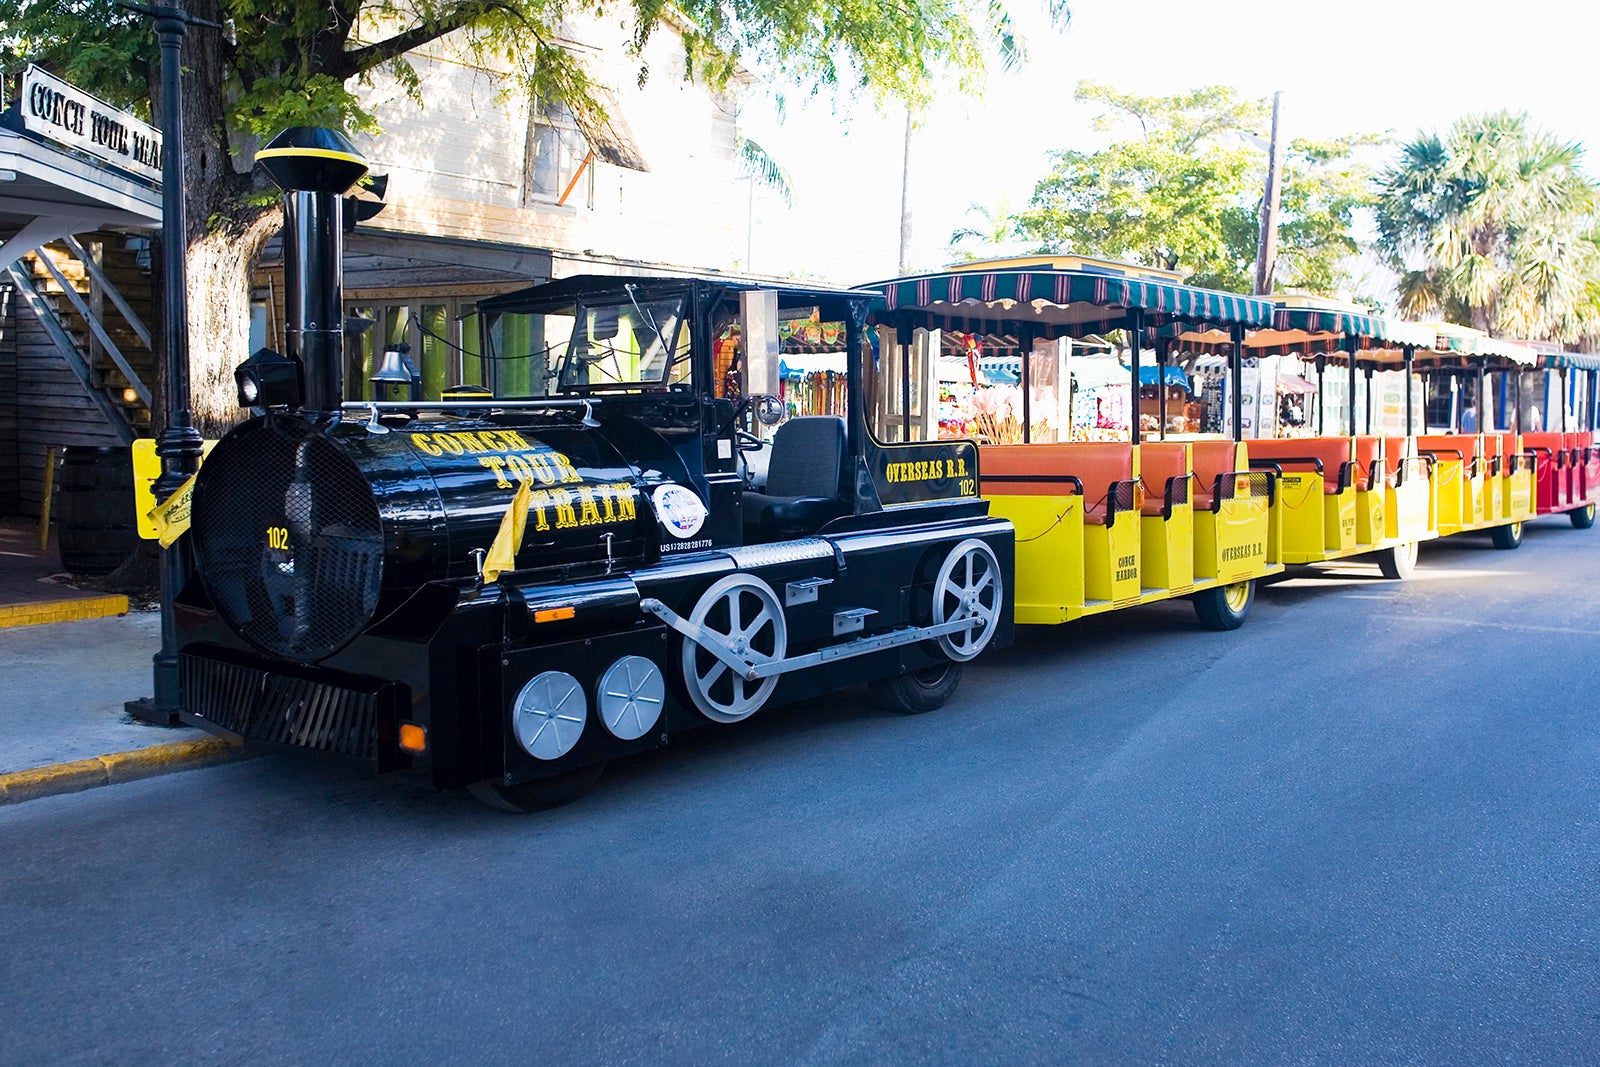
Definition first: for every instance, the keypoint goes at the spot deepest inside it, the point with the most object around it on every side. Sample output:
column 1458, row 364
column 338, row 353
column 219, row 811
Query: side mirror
column 768, row 409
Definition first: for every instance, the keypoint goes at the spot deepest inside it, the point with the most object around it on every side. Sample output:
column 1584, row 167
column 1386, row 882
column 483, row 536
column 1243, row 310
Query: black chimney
column 315, row 168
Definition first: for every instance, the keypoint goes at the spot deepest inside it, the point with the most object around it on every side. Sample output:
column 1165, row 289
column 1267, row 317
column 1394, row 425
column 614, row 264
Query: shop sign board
column 57, row 111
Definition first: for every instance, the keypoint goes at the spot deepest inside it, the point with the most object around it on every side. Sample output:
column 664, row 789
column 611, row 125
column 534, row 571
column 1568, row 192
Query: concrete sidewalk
column 68, row 662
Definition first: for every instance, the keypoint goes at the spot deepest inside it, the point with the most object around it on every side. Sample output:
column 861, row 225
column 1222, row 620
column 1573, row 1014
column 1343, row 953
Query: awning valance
column 1056, row 302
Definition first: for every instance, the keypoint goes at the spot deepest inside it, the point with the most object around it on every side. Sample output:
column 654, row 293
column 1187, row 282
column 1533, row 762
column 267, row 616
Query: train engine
column 504, row 593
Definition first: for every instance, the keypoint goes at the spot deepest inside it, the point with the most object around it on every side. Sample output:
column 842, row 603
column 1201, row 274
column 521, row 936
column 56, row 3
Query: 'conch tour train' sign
column 56, row 111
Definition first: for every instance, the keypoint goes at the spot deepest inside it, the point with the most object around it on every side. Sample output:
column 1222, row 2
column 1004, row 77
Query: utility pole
column 905, row 200
column 1267, row 250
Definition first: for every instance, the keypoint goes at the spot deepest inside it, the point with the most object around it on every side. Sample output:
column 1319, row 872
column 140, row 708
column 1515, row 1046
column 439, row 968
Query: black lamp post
column 178, row 443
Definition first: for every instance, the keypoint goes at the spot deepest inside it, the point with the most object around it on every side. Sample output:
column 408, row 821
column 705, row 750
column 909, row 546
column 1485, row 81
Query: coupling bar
column 752, row 670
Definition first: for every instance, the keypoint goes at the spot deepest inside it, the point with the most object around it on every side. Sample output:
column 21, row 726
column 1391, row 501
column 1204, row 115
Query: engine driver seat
column 804, row 477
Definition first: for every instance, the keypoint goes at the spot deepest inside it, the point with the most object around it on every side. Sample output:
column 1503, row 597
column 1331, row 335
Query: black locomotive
column 364, row 589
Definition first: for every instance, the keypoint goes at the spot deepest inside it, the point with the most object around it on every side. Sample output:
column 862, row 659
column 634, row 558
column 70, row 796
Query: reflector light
column 553, row 614
column 413, row 737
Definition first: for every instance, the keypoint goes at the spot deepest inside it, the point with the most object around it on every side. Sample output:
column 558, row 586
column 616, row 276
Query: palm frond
column 759, row 165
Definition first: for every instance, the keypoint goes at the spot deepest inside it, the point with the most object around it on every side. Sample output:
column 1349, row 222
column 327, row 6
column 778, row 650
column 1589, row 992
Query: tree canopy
column 302, row 62
column 1180, row 185
column 1492, row 226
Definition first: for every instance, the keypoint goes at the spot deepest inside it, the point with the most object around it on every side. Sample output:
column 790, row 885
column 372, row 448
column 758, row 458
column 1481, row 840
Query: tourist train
column 720, row 497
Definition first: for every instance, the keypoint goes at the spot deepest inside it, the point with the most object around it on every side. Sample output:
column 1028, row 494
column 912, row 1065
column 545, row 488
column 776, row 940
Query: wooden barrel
column 95, row 522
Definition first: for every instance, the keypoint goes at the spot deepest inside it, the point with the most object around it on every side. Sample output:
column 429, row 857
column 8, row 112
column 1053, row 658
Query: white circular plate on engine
column 741, row 613
column 548, row 715
column 680, row 510
column 968, row 589
column 630, row 698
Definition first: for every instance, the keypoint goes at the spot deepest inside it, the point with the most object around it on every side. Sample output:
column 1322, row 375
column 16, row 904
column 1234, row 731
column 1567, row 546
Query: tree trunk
column 225, row 232
column 220, row 262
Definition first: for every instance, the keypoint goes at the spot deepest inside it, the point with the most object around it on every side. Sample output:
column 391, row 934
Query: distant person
column 1469, row 419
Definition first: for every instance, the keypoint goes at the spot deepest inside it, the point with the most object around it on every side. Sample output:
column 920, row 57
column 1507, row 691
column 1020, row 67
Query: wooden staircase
column 100, row 310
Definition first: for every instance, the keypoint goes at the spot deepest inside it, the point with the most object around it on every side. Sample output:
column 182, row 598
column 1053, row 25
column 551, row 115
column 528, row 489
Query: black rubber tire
column 1215, row 613
column 1398, row 562
column 919, row 691
column 1582, row 518
column 1508, row 536
column 541, row 794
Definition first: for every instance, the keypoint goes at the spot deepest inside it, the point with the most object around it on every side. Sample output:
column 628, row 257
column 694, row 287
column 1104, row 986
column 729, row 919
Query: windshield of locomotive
column 628, row 344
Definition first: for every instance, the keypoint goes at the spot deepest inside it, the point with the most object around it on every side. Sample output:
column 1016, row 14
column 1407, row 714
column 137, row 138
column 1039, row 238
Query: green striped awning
column 1056, row 302
column 1459, row 341
column 1366, row 331
column 1573, row 360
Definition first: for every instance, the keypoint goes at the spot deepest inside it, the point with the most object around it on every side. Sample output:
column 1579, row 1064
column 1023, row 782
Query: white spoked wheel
column 968, row 588
column 745, row 613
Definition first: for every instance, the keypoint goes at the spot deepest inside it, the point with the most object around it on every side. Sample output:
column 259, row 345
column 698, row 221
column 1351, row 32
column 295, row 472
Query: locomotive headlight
column 268, row 380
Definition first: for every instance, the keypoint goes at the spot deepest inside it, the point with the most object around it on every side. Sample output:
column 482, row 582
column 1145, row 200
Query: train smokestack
column 314, row 167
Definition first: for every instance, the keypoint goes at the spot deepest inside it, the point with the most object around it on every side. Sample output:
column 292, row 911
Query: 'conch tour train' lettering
column 927, row 470
column 505, row 452
column 587, row 505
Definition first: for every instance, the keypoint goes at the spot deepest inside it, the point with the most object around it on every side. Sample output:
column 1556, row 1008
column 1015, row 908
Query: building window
column 555, row 151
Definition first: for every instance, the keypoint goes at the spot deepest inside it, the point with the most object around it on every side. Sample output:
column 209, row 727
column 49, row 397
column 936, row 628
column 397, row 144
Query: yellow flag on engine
column 502, row 555
column 171, row 516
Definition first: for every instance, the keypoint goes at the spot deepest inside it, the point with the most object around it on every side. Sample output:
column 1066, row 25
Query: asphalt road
column 1363, row 829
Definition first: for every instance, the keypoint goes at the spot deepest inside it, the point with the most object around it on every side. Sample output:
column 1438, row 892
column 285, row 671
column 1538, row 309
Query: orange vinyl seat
column 1089, row 468
column 1164, row 470
column 1212, row 459
column 1450, row 446
column 1306, row 453
column 1368, row 473
column 1542, row 442
column 1394, row 455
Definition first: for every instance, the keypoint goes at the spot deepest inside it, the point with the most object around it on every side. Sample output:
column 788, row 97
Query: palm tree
column 761, row 168
column 758, row 167
column 992, row 230
column 1491, row 227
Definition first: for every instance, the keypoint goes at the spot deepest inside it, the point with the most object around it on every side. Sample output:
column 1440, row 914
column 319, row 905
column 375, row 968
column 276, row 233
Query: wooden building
column 79, row 195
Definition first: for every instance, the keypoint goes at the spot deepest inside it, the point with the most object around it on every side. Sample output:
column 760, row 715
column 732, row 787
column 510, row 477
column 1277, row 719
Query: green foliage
column 94, row 44
column 1492, row 226
column 1180, row 188
column 300, row 61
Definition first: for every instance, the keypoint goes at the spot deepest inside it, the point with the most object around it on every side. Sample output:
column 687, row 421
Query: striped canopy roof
column 1575, row 360
column 1366, row 331
column 1477, row 346
column 1307, row 331
column 1056, row 302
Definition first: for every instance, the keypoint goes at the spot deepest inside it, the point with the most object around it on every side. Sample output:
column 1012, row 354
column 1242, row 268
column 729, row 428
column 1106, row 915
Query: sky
column 1402, row 66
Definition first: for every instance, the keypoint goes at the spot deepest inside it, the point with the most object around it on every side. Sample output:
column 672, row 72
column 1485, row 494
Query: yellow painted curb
column 57, row 778
column 86, row 607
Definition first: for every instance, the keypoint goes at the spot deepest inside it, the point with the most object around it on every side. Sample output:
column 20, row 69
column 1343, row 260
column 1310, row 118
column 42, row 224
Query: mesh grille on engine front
column 287, row 538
